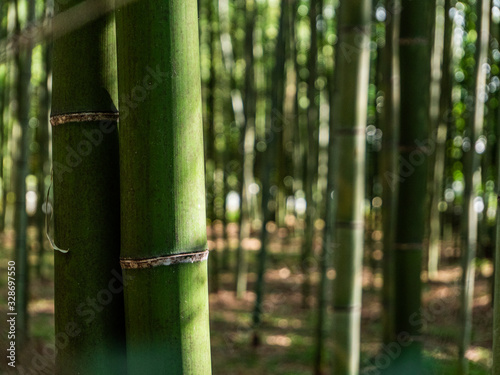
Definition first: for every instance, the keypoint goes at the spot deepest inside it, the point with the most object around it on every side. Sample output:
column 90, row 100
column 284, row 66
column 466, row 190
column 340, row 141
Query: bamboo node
column 347, row 131
column 83, row 117
column 409, row 246
column 413, row 41
column 167, row 260
column 347, row 309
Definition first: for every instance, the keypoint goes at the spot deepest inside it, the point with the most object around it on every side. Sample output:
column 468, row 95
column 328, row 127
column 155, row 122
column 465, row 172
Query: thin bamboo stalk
column 276, row 125
column 43, row 142
column 23, row 63
column 471, row 167
column 312, row 155
column 496, row 287
column 439, row 155
column 389, row 166
column 347, row 144
column 247, row 146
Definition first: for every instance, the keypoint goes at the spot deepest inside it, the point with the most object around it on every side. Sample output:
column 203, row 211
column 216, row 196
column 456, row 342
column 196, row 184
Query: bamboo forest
column 249, row 187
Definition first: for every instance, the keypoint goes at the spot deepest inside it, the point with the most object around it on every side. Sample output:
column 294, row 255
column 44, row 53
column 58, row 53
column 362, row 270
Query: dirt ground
column 287, row 331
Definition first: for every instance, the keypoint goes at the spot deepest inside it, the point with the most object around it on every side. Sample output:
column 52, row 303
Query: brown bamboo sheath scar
column 167, row 260
column 83, row 117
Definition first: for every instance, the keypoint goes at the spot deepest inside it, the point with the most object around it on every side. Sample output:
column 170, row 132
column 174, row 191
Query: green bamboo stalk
column 244, row 232
column 43, row 143
column 471, row 166
column 219, row 138
column 213, row 263
column 224, row 189
column 496, row 299
column 43, row 157
column 496, row 282
column 276, row 125
column 20, row 158
column 496, row 286
column 371, row 155
column 312, row 154
column 247, row 136
column 439, row 155
column 162, row 188
column 9, row 114
column 300, row 131
column 488, row 166
column 89, row 318
column 3, row 100
column 227, row 84
column 325, row 261
column 389, row 166
column 347, row 139
column 415, row 43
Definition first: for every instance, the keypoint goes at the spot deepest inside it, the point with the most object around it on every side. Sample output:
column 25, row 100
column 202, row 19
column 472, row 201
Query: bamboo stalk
column 89, row 319
column 162, row 189
column 276, row 125
column 471, row 167
column 495, row 30
column 496, row 286
column 439, row 155
column 325, row 261
column 347, row 143
column 415, row 43
column 43, row 141
column 312, row 155
column 3, row 100
column 20, row 158
column 389, row 167
column 247, row 136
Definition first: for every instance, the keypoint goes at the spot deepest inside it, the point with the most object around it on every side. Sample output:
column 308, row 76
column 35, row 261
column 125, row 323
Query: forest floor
column 288, row 329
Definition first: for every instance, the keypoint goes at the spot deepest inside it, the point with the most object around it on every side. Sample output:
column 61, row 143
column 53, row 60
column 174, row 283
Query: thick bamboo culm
column 162, row 188
column 89, row 317
column 415, row 43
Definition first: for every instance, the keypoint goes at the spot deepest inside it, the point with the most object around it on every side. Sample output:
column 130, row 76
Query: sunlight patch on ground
column 486, row 269
column 442, row 293
column 378, row 281
column 483, row 300
column 479, row 354
column 284, row 273
column 279, row 340
column 41, row 306
column 372, row 310
column 449, row 275
column 275, row 247
column 251, row 244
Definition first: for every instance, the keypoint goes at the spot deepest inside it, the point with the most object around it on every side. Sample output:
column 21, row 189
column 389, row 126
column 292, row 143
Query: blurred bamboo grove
column 346, row 188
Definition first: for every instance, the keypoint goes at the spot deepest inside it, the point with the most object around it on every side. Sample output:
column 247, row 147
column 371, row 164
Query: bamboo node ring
column 83, row 117
column 166, row 260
